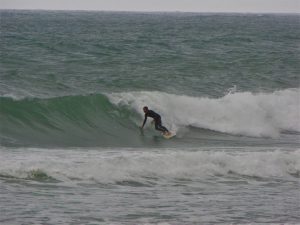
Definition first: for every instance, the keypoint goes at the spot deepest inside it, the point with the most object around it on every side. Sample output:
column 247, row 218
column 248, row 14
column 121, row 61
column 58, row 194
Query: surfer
column 156, row 119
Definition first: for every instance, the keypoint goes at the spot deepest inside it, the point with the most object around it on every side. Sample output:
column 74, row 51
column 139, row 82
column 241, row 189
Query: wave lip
column 239, row 113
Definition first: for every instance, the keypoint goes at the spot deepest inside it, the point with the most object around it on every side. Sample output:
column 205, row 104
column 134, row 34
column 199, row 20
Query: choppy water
column 72, row 86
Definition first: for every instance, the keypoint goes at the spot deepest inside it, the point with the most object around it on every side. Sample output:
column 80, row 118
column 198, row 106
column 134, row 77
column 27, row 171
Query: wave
column 113, row 119
column 146, row 166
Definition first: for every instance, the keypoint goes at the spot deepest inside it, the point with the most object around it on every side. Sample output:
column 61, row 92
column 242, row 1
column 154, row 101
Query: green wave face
column 66, row 121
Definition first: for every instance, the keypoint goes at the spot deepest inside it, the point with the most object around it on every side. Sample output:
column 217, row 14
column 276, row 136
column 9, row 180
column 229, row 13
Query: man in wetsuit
column 156, row 118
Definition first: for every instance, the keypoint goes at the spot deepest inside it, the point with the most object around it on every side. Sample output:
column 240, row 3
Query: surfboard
column 168, row 136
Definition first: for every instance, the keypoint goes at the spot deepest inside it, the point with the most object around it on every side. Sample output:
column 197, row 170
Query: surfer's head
column 145, row 109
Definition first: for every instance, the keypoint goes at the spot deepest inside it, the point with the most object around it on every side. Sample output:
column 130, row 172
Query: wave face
column 113, row 119
column 66, row 121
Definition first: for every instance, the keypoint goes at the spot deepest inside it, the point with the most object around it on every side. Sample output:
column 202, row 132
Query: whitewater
column 72, row 89
column 240, row 113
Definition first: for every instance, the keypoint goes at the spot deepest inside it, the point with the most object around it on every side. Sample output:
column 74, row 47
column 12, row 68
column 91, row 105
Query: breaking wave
column 114, row 119
column 239, row 113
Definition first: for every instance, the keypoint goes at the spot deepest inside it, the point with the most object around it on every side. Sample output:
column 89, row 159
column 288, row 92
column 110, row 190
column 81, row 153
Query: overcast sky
column 259, row 6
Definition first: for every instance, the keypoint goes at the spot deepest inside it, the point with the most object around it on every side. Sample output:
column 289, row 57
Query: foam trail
column 240, row 113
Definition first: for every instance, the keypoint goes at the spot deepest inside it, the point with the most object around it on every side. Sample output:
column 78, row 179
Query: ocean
column 73, row 85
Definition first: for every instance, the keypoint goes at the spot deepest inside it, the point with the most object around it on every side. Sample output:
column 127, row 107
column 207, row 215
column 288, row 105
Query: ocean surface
column 73, row 85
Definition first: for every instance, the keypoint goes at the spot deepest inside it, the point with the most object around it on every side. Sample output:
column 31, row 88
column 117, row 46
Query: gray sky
column 259, row 6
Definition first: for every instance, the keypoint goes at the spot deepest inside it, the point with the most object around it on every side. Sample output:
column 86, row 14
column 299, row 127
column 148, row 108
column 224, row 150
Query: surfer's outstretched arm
column 144, row 121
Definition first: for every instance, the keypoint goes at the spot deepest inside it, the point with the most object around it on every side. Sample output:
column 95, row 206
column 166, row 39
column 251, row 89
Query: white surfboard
column 169, row 135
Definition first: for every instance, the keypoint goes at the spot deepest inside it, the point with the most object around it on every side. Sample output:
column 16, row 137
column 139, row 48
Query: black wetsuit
column 157, row 120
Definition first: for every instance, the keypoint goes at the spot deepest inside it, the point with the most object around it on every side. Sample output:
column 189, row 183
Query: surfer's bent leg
column 159, row 127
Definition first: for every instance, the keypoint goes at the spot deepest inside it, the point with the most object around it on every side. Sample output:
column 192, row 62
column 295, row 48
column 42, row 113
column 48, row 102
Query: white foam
column 240, row 113
column 109, row 166
column 13, row 96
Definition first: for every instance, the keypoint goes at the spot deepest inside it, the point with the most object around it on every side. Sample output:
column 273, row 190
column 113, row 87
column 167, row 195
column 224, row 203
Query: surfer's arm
column 144, row 121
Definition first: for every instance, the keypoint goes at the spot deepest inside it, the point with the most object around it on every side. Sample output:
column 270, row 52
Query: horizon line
column 154, row 11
